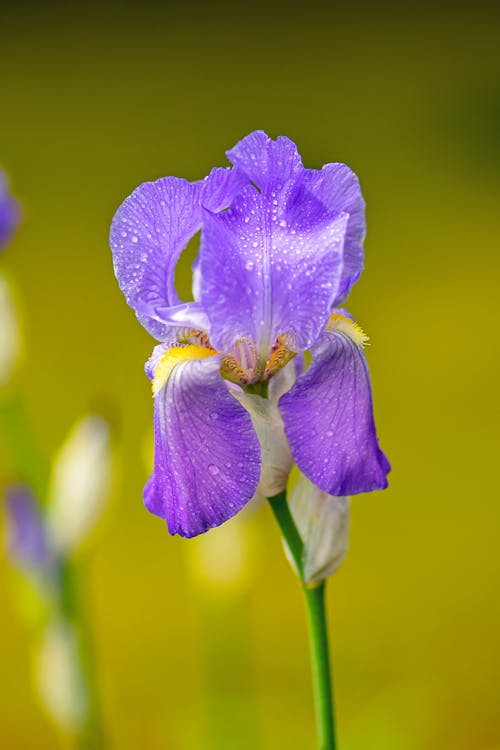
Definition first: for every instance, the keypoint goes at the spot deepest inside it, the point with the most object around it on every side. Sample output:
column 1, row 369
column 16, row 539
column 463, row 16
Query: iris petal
column 207, row 455
column 337, row 188
column 266, row 162
column 267, row 269
column 328, row 418
column 150, row 230
column 27, row 540
column 334, row 188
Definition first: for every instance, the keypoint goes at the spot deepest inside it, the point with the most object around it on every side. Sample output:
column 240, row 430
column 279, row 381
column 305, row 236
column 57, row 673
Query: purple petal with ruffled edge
column 328, row 418
column 150, row 230
column 207, row 454
column 269, row 266
column 337, row 188
column 26, row 541
column 9, row 212
column 265, row 162
column 271, row 163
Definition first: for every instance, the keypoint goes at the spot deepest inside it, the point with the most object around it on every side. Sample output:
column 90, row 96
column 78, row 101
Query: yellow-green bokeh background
column 94, row 101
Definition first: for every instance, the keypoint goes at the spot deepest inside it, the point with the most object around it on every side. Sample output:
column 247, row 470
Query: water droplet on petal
column 213, row 470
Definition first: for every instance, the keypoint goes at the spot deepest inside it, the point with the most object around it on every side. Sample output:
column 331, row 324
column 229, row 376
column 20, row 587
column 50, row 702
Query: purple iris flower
column 26, row 541
column 9, row 212
column 280, row 248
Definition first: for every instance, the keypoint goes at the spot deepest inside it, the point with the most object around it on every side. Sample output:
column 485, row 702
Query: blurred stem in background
column 317, row 621
column 27, row 462
column 49, row 515
column 91, row 734
column 42, row 544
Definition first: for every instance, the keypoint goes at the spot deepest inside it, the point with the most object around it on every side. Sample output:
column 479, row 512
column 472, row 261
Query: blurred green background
column 95, row 100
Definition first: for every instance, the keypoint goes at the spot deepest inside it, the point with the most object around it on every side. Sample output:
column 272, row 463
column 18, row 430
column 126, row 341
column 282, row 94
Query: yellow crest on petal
column 343, row 324
column 175, row 356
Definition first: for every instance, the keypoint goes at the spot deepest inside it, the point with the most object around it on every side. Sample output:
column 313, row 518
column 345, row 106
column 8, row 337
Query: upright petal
column 268, row 269
column 337, row 188
column 207, row 454
column 150, row 230
column 328, row 418
column 265, row 162
column 270, row 164
column 220, row 188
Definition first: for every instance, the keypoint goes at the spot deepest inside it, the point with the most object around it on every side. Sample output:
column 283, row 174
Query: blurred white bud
column 10, row 336
column 58, row 677
column 80, row 483
column 221, row 562
column 323, row 523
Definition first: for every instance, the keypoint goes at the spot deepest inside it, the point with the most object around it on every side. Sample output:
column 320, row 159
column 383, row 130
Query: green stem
column 27, row 462
column 281, row 510
column 317, row 626
column 320, row 657
column 91, row 733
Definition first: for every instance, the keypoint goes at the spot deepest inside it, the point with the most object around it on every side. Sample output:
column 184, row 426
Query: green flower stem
column 281, row 510
column 27, row 462
column 30, row 466
column 320, row 657
column 317, row 626
column 91, row 733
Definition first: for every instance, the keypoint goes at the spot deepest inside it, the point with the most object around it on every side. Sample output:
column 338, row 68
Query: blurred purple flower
column 9, row 212
column 281, row 246
column 26, row 539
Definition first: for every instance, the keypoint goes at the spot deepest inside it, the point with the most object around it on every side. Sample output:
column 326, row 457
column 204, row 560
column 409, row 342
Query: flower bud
column 58, row 678
column 323, row 524
column 80, row 483
column 10, row 338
